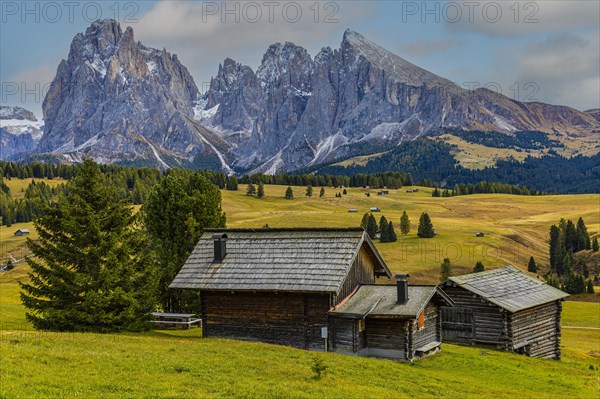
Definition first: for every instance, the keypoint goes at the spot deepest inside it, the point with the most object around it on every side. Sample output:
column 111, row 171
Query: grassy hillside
column 167, row 364
column 515, row 227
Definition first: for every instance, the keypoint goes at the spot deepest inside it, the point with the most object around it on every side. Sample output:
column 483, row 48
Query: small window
column 422, row 320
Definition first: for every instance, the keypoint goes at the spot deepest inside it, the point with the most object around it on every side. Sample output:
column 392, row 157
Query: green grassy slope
column 163, row 364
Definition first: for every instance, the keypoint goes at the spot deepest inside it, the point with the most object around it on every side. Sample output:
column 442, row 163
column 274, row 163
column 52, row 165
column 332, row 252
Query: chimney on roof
column 402, row 288
column 220, row 241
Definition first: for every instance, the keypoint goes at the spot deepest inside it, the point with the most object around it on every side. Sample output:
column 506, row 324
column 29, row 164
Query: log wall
column 429, row 333
column 472, row 320
column 291, row 319
column 536, row 331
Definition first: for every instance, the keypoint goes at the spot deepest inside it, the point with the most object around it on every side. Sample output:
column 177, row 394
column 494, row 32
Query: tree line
column 568, row 270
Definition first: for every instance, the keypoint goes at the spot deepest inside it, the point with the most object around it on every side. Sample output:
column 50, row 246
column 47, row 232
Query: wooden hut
column 505, row 308
column 21, row 232
column 399, row 322
column 278, row 285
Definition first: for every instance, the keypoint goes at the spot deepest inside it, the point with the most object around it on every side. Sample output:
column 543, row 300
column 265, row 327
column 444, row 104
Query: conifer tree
column 445, row 270
column 176, row 212
column 583, row 237
column 383, row 229
column 232, row 183
column 404, row 223
column 309, row 191
column 92, row 270
column 250, row 190
column 392, row 237
column 425, row 229
column 345, row 192
column 479, row 267
column 531, row 266
column 289, row 193
column 372, row 227
column 555, row 249
column 260, row 193
column 590, row 287
column 322, row 192
column 595, row 246
column 364, row 223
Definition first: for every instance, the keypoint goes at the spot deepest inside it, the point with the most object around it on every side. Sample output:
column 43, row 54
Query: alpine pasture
column 169, row 364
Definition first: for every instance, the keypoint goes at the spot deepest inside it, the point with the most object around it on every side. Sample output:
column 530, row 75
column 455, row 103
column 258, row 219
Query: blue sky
column 545, row 51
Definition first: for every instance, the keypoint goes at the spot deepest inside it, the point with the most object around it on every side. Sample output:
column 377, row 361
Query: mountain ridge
column 121, row 102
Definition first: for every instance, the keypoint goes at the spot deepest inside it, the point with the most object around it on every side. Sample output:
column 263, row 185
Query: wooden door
column 457, row 324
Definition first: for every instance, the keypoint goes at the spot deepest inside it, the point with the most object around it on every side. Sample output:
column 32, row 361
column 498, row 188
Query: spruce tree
column 372, row 227
column 260, row 193
column 92, row 270
column 445, row 270
column 590, row 287
column 595, row 246
column 583, row 237
column 425, row 229
column 289, row 193
column 176, row 212
column 250, row 190
column 555, row 249
column 232, row 183
column 404, row 223
column 309, row 191
column 531, row 266
column 392, row 237
column 479, row 267
column 322, row 192
column 345, row 192
column 571, row 237
column 364, row 223
column 383, row 229
column 435, row 193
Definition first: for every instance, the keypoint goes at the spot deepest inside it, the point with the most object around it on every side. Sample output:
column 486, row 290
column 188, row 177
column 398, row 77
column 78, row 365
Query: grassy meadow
column 172, row 364
column 515, row 227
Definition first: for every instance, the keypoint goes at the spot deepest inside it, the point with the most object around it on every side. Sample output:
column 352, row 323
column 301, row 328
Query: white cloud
column 516, row 18
column 563, row 66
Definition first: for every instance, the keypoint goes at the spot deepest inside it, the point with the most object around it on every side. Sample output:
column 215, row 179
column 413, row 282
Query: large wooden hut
column 505, row 308
column 278, row 285
column 400, row 322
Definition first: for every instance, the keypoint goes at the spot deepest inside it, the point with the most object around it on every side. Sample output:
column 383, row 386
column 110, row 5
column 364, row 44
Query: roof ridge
column 284, row 229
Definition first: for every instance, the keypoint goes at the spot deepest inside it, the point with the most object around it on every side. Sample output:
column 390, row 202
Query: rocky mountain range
column 20, row 132
column 121, row 102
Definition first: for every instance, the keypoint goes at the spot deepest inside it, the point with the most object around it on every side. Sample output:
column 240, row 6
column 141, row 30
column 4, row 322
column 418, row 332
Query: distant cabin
column 352, row 210
column 397, row 322
column 479, row 234
column 416, row 190
column 21, row 232
column 375, row 210
column 409, row 191
column 283, row 286
column 504, row 308
column 384, row 192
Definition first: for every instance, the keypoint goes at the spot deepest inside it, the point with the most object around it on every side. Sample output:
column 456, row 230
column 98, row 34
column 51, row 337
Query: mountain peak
column 399, row 69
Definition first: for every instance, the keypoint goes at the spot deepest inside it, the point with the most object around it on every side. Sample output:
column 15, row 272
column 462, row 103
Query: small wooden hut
column 399, row 322
column 505, row 308
column 278, row 285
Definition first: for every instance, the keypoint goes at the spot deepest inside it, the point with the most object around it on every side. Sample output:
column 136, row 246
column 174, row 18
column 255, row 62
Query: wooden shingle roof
column 509, row 288
column 381, row 301
column 303, row 260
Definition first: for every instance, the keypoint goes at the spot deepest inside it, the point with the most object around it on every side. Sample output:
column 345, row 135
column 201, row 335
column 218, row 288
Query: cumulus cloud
column 564, row 67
